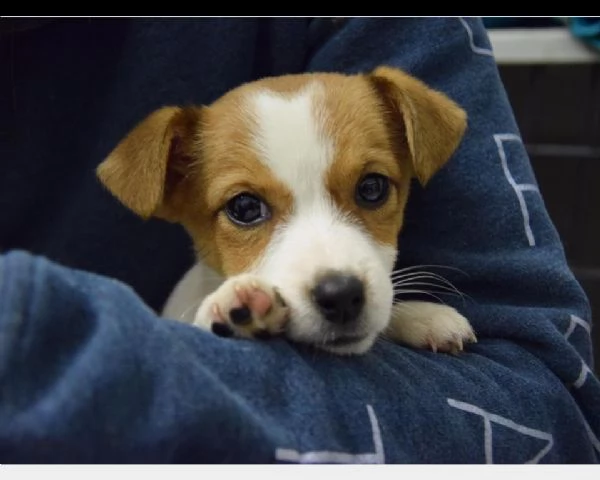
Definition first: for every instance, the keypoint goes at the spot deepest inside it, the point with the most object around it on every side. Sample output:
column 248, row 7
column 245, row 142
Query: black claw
column 221, row 330
column 241, row 315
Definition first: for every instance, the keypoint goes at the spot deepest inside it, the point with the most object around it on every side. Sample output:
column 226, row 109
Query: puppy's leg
column 244, row 306
column 196, row 284
column 429, row 325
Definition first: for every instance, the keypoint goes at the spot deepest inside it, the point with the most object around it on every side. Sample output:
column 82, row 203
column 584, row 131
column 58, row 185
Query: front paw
column 243, row 306
column 430, row 325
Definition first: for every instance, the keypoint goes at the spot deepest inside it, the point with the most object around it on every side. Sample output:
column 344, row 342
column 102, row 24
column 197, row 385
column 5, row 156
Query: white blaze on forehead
column 290, row 139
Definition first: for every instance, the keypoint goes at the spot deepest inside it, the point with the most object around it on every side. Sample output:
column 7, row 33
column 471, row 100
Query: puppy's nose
column 339, row 297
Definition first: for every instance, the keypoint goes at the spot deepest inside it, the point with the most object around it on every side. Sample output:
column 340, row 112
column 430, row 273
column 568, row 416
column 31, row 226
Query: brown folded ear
column 148, row 164
column 434, row 125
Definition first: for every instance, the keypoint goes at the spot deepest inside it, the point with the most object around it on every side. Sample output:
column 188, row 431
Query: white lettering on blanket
column 575, row 320
column 489, row 418
column 289, row 455
column 475, row 48
column 519, row 188
column 584, row 372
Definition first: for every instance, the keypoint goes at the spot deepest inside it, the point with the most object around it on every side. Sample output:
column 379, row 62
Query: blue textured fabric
column 89, row 373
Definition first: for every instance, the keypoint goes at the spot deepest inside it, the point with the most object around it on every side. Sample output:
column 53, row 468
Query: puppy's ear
column 145, row 168
column 433, row 124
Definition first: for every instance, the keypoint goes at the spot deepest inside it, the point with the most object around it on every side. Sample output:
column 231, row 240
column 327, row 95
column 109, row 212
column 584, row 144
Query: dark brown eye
column 246, row 209
column 372, row 191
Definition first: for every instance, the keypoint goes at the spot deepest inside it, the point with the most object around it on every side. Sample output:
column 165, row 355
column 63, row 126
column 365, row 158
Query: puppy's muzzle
column 339, row 297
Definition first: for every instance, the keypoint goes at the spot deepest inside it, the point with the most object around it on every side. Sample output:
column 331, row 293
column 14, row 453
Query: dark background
column 558, row 111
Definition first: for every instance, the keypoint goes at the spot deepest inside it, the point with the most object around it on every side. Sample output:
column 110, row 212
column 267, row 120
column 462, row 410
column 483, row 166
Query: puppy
column 293, row 191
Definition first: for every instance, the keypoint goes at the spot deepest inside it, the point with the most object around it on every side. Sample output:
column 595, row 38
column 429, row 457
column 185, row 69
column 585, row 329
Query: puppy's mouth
column 348, row 344
column 344, row 340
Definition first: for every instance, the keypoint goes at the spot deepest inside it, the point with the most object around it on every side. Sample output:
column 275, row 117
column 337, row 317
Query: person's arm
column 483, row 213
column 89, row 373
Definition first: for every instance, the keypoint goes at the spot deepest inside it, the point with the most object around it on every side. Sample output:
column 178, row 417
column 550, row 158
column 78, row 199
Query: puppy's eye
column 372, row 190
column 246, row 209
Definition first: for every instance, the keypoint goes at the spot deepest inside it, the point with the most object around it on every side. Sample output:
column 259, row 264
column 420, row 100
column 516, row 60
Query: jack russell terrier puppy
column 293, row 191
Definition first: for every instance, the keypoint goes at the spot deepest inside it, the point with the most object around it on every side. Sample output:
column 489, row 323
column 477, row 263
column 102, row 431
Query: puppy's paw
column 243, row 306
column 430, row 325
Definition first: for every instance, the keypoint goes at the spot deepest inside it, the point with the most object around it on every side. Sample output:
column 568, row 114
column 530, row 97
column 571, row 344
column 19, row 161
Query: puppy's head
column 300, row 179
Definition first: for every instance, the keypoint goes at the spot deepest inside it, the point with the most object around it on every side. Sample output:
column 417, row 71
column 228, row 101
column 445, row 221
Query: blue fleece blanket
column 89, row 373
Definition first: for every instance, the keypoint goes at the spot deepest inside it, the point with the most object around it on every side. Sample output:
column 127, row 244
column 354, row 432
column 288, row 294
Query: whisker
column 439, row 292
column 407, row 279
column 420, row 276
column 444, row 286
column 431, row 293
column 424, row 292
column 414, row 267
column 413, row 273
column 416, row 274
column 399, row 275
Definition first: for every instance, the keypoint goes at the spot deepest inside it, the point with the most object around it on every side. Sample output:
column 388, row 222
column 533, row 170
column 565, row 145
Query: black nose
column 339, row 297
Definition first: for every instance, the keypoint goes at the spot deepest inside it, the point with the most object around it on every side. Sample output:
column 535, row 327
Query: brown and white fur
column 300, row 145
